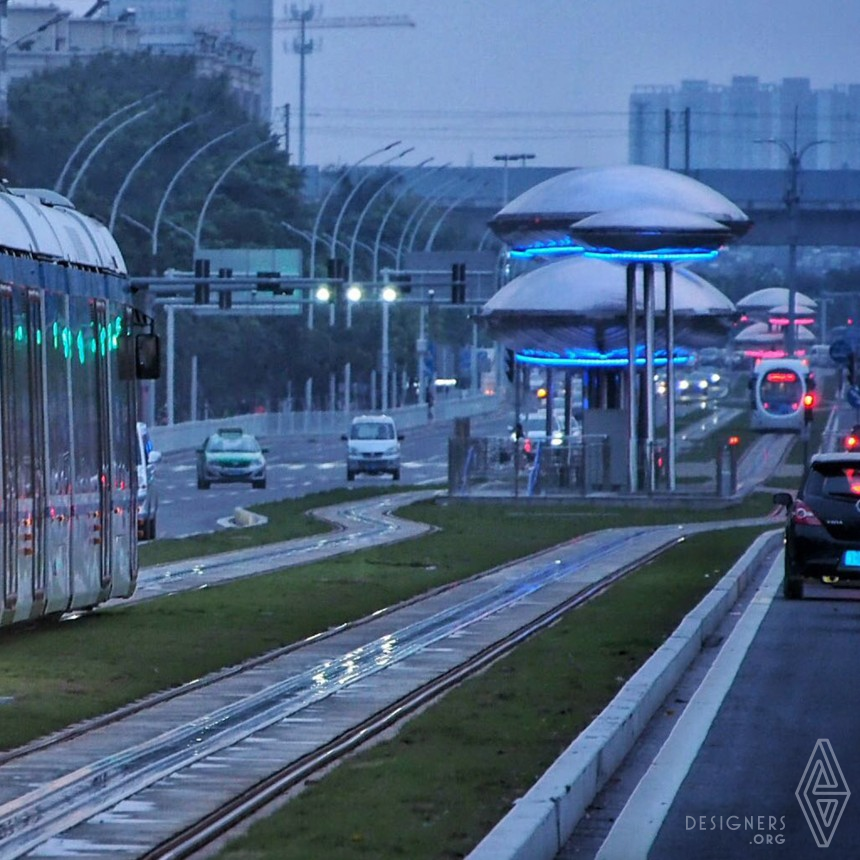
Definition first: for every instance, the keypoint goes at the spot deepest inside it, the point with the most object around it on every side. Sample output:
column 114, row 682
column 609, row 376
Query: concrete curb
column 542, row 821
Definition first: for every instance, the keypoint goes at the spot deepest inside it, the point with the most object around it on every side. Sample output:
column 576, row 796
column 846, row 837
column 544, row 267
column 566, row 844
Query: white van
column 147, row 487
column 373, row 446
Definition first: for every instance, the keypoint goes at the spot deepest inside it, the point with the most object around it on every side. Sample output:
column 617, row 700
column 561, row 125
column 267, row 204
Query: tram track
column 243, row 722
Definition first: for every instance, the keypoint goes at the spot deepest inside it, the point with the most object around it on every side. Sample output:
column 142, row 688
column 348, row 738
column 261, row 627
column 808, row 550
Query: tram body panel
column 68, row 494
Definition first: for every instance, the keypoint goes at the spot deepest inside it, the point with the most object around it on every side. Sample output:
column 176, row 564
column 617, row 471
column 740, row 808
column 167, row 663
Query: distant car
column 373, row 446
column 231, row 456
column 851, row 440
column 822, row 535
column 533, row 427
column 147, row 485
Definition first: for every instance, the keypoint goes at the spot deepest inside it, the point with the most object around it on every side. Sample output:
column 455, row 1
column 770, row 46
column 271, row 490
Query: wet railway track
column 163, row 777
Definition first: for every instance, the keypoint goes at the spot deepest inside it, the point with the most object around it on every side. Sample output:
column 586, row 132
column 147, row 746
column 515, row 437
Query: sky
column 478, row 78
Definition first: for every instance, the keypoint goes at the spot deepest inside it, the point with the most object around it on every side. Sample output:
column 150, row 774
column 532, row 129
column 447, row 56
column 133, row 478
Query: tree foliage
column 108, row 133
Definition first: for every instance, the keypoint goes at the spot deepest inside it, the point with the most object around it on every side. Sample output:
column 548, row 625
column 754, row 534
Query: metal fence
column 498, row 464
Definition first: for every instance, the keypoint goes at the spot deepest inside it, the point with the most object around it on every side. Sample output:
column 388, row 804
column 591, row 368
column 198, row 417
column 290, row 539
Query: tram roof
column 46, row 226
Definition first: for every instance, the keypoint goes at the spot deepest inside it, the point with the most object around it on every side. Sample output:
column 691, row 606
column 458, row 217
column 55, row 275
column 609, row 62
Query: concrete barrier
column 192, row 434
column 542, row 821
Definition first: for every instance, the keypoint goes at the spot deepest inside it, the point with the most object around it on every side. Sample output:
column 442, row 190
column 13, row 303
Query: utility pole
column 792, row 204
column 522, row 157
column 302, row 19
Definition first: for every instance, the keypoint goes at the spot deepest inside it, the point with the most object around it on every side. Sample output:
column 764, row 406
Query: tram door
column 90, row 561
column 22, row 438
column 8, row 457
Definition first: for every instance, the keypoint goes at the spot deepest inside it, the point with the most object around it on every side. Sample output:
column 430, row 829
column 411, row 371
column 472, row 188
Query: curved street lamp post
column 792, row 201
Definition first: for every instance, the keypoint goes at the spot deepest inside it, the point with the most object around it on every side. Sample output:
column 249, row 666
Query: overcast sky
column 476, row 78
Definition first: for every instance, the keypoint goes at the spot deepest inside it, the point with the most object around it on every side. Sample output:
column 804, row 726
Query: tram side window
column 58, row 336
column 85, row 398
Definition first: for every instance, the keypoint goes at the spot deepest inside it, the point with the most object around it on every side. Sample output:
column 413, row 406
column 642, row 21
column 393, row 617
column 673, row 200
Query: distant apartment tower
column 700, row 125
column 172, row 26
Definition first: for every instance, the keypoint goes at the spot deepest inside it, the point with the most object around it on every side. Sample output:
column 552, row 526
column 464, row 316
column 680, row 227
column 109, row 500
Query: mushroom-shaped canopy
column 650, row 228
column 770, row 297
column 544, row 213
column 580, row 303
column 759, row 334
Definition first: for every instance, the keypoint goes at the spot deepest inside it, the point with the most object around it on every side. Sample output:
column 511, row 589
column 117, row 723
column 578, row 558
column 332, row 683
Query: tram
column 780, row 390
column 71, row 350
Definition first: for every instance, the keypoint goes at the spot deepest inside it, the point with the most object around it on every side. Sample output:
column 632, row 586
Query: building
column 234, row 35
column 46, row 37
column 700, row 125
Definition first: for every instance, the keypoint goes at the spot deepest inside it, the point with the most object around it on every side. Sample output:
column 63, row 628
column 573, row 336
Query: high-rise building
column 700, row 125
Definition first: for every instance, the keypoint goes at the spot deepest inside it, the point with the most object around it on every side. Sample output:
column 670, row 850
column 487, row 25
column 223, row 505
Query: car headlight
column 390, row 452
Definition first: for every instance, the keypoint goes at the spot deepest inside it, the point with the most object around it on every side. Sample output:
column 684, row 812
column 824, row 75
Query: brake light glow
column 803, row 515
column 781, row 376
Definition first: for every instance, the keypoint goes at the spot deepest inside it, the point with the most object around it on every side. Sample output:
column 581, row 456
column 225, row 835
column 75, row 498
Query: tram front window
column 781, row 392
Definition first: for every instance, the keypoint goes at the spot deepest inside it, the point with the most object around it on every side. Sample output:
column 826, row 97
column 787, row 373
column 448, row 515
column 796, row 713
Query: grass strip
column 287, row 520
column 437, row 787
column 53, row 675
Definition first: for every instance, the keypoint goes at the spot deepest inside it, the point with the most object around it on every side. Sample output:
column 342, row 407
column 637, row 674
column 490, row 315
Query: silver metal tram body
column 68, row 497
column 778, row 387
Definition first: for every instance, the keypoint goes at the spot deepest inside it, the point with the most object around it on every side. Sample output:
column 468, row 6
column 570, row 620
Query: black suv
column 822, row 535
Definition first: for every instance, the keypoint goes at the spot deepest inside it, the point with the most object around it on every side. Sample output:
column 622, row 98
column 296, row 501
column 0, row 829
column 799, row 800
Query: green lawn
column 444, row 790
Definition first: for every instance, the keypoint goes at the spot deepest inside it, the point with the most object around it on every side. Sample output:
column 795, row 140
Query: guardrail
column 190, row 434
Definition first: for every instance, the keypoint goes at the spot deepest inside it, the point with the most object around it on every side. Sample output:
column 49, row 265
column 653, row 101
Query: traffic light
column 335, row 269
column 201, row 291
column 510, row 364
column 808, row 406
column 403, row 282
column 225, row 297
column 268, row 286
column 458, row 283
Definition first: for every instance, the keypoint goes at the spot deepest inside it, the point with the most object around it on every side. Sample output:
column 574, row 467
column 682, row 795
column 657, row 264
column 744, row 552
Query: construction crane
column 304, row 18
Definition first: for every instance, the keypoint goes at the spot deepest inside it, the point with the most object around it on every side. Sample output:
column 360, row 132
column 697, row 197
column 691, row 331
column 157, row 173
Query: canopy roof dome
column 771, row 297
column 760, row 334
column 544, row 213
column 581, row 303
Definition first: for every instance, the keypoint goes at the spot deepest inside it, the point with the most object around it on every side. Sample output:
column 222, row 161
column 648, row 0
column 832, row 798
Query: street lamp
column 330, row 193
column 520, row 156
column 239, row 158
column 175, row 179
column 381, row 229
column 792, row 199
column 387, row 296
column 125, row 183
column 58, row 185
column 101, row 145
column 360, row 220
column 353, row 192
column 417, row 216
column 428, row 245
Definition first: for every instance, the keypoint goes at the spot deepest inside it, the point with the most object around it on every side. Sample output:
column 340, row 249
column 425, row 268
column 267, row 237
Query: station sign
column 841, row 352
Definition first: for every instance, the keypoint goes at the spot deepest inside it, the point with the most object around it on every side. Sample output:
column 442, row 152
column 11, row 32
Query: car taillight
column 851, row 442
column 803, row 515
column 527, row 446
